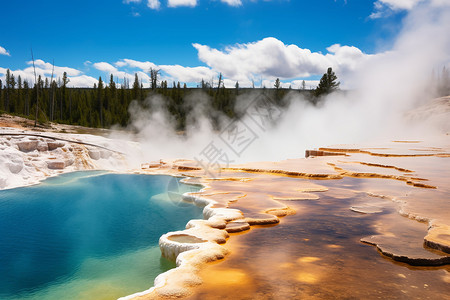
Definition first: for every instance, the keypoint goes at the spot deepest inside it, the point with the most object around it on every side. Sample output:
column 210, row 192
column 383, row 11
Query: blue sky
column 194, row 39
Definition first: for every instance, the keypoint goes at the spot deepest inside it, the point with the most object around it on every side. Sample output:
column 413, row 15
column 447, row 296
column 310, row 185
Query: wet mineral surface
column 346, row 222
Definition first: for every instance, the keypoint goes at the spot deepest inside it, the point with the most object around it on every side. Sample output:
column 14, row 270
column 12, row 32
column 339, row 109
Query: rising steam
column 386, row 86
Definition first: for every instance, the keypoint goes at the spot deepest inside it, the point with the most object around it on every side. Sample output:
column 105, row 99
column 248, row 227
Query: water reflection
column 86, row 232
column 317, row 253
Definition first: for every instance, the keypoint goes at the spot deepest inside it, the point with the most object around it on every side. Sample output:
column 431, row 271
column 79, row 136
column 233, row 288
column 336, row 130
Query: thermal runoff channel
column 85, row 234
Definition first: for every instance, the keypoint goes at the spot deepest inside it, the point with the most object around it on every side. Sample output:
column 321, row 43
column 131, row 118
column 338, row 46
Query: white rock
column 94, row 154
column 105, row 154
column 27, row 146
column 56, row 164
column 15, row 167
column 25, row 161
column 54, row 145
column 42, row 146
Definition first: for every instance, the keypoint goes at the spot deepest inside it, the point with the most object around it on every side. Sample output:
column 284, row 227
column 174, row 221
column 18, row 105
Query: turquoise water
column 87, row 235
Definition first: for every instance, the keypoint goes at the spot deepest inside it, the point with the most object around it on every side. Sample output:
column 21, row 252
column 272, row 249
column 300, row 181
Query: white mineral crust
column 27, row 157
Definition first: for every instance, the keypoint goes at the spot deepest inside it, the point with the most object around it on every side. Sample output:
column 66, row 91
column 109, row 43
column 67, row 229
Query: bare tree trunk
column 7, row 98
column 52, row 101
column 61, row 105
column 70, row 107
column 37, row 91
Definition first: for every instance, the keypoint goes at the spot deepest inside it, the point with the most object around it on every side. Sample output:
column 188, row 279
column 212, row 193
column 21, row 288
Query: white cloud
column 400, row 4
column 44, row 69
column 3, row 51
column 346, row 58
column 143, row 65
column 188, row 74
column 156, row 4
column 105, row 67
column 232, row 2
column 126, row 74
column 153, row 4
column 384, row 8
column 177, row 3
column 271, row 58
column 260, row 62
column 82, row 81
column 169, row 72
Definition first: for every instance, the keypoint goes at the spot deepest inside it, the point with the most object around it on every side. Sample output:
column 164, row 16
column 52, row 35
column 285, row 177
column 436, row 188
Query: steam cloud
column 385, row 88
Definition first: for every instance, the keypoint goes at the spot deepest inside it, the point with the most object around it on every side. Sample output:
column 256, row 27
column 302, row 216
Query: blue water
column 87, row 235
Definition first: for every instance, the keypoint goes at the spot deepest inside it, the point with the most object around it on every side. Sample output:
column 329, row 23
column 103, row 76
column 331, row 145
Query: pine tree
column 154, row 78
column 141, row 91
column 112, row 84
column 277, row 84
column 52, row 101
column 65, row 81
column 136, row 87
column 26, row 88
column 10, row 83
column 1, row 93
column 100, row 99
column 19, row 95
column 327, row 83
column 220, row 81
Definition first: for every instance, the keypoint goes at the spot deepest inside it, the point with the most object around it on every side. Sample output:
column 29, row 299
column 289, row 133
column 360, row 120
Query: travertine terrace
column 387, row 203
column 27, row 156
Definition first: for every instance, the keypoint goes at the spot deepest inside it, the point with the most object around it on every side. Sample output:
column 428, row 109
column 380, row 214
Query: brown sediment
column 344, row 150
column 385, row 166
column 290, row 173
column 309, row 153
column 422, row 185
column 187, row 168
column 408, row 179
column 316, row 234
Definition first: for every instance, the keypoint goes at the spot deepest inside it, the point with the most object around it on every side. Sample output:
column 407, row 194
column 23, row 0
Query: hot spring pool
column 87, row 235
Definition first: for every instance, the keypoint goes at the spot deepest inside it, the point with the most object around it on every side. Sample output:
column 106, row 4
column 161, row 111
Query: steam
column 386, row 86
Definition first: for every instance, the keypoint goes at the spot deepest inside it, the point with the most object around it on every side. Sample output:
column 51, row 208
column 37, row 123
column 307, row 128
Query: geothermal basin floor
column 351, row 222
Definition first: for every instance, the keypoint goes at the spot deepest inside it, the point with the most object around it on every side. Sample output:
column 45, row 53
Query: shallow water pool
column 87, row 235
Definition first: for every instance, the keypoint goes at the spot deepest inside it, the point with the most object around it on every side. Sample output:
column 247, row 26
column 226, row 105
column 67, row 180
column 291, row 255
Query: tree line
column 107, row 103
column 100, row 106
